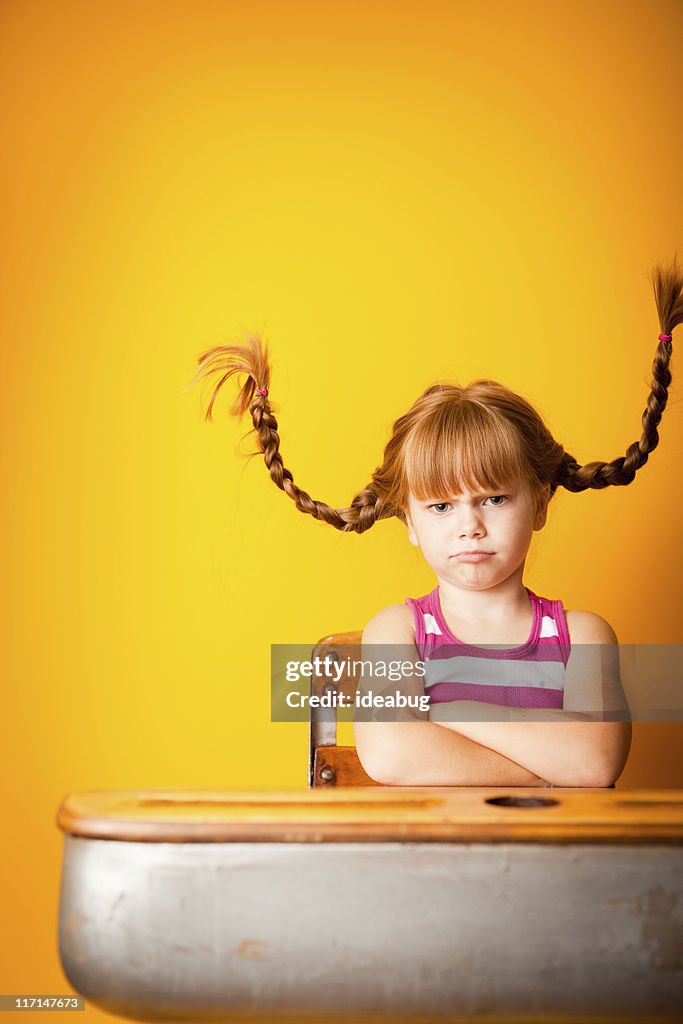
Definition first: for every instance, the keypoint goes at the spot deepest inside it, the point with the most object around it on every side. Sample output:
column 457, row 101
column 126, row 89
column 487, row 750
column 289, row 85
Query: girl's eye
column 440, row 507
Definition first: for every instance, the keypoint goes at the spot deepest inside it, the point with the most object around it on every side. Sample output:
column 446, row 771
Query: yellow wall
column 390, row 192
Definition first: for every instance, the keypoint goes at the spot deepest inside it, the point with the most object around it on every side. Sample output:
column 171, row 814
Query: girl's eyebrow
column 474, row 497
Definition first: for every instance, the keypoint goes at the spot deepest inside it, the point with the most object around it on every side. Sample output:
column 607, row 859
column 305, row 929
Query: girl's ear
column 411, row 532
column 542, row 508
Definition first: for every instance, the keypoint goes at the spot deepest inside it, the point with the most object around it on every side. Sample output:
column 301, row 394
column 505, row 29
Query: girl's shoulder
column 589, row 628
column 392, row 624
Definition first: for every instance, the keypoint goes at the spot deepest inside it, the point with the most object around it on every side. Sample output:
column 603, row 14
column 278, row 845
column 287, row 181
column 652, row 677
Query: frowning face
column 498, row 527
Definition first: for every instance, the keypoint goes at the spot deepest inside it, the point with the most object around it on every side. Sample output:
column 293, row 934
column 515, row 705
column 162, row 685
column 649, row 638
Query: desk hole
column 522, row 801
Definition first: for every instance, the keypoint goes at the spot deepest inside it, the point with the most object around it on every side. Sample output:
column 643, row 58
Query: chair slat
column 339, row 766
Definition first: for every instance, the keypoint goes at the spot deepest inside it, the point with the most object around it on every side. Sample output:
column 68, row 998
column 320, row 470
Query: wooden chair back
column 328, row 763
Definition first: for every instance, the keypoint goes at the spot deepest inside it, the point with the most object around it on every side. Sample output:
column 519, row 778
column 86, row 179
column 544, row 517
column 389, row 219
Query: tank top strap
column 423, row 621
column 554, row 630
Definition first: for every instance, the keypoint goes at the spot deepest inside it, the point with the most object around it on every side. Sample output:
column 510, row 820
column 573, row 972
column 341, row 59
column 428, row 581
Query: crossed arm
column 570, row 750
column 423, row 753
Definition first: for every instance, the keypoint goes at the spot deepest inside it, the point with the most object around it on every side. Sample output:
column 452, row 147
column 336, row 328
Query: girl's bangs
column 468, row 450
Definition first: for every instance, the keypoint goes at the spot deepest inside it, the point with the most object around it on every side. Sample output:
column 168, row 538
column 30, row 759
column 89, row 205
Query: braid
column 253, row 360
column 484, row 431
column 668, row 289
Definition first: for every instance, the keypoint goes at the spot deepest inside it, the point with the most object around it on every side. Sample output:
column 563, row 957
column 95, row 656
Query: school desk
column 371, row 903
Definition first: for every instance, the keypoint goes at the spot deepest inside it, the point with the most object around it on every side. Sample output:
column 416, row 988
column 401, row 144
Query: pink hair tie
column 262, row 391
column 665, row 337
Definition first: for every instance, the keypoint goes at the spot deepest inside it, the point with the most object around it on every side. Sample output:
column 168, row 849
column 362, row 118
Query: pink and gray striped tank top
column 529, row 676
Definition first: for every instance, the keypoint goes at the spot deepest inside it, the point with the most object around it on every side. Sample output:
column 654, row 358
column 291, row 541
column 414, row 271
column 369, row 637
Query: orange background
column 390, row 193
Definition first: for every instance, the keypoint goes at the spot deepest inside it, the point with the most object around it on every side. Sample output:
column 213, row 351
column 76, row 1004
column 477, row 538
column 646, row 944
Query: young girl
column 470, row 471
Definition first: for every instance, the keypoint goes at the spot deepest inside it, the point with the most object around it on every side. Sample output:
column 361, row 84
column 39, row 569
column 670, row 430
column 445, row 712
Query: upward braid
column 253, row 360
column 668, row 288
column 483, row 425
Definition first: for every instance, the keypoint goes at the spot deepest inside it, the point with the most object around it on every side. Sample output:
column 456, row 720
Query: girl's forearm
column 422, row 753
column 567, row 749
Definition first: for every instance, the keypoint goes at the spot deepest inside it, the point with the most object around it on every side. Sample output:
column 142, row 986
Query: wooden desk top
column 377, row 814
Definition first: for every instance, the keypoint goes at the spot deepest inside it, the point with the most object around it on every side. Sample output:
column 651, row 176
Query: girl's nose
column 469, row 522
